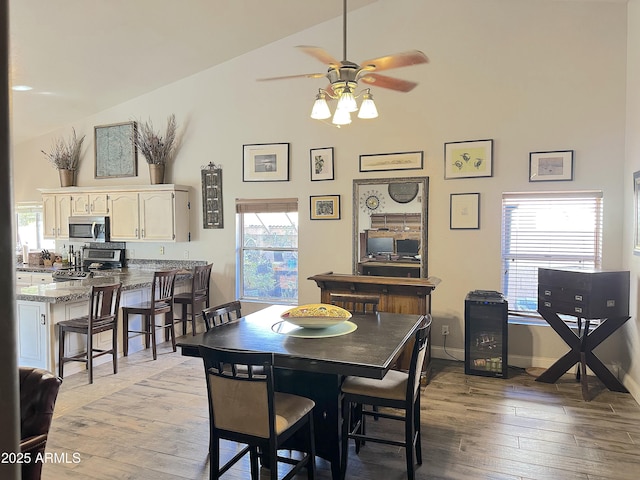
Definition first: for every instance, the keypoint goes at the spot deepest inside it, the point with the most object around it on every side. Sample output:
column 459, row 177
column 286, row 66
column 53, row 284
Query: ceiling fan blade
column 403, row 59
column 304, row 75
column 319, row 54
column 388, row 82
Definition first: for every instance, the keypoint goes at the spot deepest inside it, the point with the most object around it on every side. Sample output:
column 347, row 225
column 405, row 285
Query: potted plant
column 158, row 150
column 65, row 156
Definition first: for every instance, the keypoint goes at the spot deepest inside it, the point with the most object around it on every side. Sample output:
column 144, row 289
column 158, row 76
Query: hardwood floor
column 150, row 422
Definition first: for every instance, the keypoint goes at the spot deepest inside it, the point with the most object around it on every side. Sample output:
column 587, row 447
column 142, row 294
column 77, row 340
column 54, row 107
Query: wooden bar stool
column 198, row 295
column 160, row 303
column 102, row 317
column 221, row 314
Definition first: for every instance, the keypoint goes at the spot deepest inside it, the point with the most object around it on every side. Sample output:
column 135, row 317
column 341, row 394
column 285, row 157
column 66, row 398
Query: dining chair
column 245, row 408
column 199, row 295
column 102, row 317
column 356, row 303
column 397, row 390
column 38, row 393
column 160, row 303
column 221, row 314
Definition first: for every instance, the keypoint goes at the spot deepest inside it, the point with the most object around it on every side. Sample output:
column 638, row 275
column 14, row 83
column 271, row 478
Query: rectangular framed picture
column 115, row 150
column 551, row 166
column 321, row 164
column 324, row 207
column 392, row 161
column 265, row 162
column 468, row 159
column 636, row 220
column 464, row 211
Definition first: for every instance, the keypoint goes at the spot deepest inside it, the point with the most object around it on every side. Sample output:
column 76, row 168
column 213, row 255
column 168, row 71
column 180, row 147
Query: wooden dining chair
column 189, row 301
column 160, row 303
column 356, row 303
column 221, row 314
column 245, row 408
column 397, row 390
column 102, row 317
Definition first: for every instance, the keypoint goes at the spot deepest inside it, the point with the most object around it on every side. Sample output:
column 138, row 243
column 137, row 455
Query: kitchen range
column 92, row 258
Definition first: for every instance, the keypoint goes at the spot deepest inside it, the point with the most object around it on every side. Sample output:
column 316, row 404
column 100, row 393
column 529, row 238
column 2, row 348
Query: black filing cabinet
column 584, row 293
column 485, row 331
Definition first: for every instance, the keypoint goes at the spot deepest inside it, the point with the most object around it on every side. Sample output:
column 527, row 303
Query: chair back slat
column 221, row 314
column 163, row 286
column 356, row 303
column 105, row 301
column 201, row 279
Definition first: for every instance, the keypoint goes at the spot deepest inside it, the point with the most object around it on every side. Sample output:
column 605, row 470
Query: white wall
column 533, row 76
column 630, row 342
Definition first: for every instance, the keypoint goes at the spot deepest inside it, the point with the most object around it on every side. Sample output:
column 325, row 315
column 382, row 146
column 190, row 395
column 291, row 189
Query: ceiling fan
column 344, row 76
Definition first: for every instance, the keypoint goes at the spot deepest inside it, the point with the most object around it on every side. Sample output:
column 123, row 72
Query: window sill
column 531, row 321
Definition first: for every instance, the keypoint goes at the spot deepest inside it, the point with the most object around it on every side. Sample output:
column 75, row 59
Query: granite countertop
column 59, row 292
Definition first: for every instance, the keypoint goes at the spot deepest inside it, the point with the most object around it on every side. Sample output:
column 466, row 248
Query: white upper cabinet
column 156, row 213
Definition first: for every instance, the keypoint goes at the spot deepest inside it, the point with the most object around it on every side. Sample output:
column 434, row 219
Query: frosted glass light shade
column 368, row 108
column 341, row 117
column 347, row 101
column 320, row 109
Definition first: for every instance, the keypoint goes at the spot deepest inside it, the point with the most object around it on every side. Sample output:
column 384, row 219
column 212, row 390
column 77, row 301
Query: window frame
column 590, row 199
column 258, row 206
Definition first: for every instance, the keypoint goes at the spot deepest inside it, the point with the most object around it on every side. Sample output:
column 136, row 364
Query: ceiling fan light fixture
column 320, row 110
column 368, row 107
column 341, row 117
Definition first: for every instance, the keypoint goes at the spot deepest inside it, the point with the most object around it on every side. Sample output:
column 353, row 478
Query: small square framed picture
column 551, row 166
column 321, row 164
column 325, row 207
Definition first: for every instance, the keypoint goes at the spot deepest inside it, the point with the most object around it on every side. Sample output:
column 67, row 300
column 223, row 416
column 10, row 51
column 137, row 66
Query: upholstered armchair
column 38, row 393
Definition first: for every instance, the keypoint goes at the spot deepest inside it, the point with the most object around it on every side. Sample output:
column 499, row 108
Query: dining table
column 313, row 363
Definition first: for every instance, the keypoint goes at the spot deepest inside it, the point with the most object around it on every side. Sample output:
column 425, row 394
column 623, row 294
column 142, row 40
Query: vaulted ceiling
column 83, row 56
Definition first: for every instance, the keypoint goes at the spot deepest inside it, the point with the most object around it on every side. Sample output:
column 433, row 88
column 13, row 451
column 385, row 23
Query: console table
column 397, row 295
column 588, row 295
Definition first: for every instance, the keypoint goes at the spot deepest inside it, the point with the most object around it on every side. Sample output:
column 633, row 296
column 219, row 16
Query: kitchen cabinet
column 32, row 334
column 89, row 204
column 56, row 213
column 154, row 213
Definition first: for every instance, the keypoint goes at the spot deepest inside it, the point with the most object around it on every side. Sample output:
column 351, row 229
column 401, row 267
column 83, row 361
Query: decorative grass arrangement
column 65, row 155
column 155, row 148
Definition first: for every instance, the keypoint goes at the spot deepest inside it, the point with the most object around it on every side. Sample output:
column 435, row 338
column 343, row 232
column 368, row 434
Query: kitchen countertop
column 59, row 292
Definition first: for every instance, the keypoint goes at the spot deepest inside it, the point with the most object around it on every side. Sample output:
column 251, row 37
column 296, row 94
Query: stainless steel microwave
column 89, row 229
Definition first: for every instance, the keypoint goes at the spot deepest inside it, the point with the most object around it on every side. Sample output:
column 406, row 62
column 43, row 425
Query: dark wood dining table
column 315, row 367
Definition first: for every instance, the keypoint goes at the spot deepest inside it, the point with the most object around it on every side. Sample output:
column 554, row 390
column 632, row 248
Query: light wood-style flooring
column 149, row 422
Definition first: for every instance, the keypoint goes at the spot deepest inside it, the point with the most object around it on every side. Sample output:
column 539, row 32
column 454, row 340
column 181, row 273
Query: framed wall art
column 321, row 164
column 324, row 207
column 212, row 196
column 468, row 159
column 636, row 208
column 551, row 166
column 115, row 150
column 265, row 162
column 392, row 161
column 464, row 211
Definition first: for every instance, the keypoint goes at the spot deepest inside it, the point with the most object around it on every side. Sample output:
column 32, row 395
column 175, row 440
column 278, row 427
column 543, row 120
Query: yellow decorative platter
column 316, row 315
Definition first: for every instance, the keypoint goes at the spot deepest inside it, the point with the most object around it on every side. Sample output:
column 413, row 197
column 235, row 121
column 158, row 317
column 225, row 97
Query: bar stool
column 198, row 295
column 161, row 303
column 102, row 317
column 221, row 314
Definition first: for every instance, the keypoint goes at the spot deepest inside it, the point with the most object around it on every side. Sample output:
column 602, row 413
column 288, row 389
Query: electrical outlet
column 131, row 253
column 186, row 254
column 445, row 330
column 161, row 250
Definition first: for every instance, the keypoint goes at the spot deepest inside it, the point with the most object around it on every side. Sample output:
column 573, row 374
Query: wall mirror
column 390, row 217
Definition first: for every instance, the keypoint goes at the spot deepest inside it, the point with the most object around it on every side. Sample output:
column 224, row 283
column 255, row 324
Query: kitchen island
column 40, row 307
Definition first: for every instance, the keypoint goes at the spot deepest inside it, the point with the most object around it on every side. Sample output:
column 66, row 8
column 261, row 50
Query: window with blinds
column 547, row 229
column 267, row 249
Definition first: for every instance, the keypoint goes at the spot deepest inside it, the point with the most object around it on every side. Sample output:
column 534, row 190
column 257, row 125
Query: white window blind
column 547, row 229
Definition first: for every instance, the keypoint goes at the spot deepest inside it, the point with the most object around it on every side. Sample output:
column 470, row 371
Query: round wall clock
column 403, row 192
column 370, row 201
